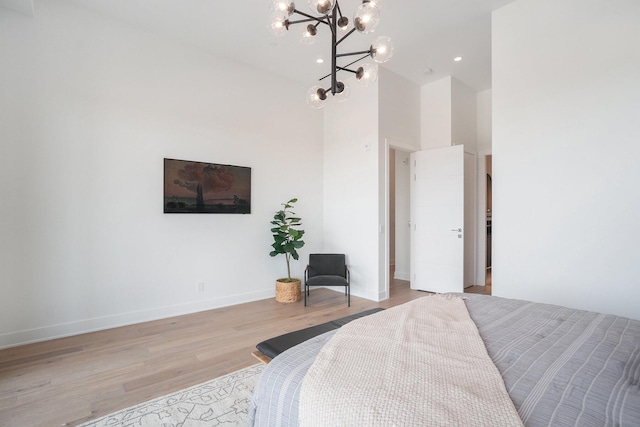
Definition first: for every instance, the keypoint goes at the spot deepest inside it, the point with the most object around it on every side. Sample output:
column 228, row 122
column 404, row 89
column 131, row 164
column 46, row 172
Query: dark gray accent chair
column 327, row 270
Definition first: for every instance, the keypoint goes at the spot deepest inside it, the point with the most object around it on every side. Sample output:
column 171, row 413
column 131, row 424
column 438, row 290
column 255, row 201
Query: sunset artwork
column 195, row 187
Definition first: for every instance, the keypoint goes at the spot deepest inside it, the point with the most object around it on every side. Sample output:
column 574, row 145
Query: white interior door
column 437, row 218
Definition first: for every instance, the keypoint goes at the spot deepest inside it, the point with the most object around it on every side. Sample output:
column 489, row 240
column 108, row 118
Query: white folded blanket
column 419, row 364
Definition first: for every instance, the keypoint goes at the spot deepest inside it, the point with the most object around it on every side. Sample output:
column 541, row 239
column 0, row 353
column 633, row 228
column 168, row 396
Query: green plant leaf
column 286, row 234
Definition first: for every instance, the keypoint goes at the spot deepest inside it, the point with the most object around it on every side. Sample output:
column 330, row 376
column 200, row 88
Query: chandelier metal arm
column 368, row 52
column 311, row 18
column 298, row 21
column 332, row 25
column 357, row 60
column 338, row 7
column 334, row 51
column 338, row 68
column 344, row 68
column 346, row 35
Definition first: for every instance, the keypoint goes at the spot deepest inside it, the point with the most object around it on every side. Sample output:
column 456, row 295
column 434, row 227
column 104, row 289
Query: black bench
column 272, row 347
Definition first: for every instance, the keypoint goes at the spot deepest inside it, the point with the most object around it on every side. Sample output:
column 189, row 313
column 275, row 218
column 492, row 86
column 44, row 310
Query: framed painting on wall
column 196, row 187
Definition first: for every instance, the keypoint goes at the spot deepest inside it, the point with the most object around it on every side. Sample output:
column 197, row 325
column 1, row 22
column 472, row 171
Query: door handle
column 457, row 230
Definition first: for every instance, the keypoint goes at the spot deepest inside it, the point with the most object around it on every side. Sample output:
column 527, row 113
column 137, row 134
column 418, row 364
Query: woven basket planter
column 288, row 291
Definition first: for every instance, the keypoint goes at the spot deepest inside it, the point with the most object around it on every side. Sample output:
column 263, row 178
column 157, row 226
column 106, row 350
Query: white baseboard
column 372, row 296
column 402, row 275
column 62, row 330
column 355, row 292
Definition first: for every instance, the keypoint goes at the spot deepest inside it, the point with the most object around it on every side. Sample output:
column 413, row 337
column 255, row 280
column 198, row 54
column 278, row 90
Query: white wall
column 356, row 138
column 448, row 115
column 399, row 114
column 88, row 110
column 402, row 211
column 392, row 206
column 449, row 118
column 484, row 128
column 435, row 115
column 351, row 186
column 21, row 6
column 484, row 131
column 464, row 123
column 566, row 116
column 464, row 118
column 399, row 128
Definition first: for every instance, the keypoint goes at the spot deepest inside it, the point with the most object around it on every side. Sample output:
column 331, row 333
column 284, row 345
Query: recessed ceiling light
column 427, row 71
column 319, row 60
column 458, row 58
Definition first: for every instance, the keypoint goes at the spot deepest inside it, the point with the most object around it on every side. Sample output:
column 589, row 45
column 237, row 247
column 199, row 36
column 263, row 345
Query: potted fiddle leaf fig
column 287, row 239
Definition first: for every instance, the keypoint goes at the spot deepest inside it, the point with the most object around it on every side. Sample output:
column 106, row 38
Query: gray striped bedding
column 561, row 367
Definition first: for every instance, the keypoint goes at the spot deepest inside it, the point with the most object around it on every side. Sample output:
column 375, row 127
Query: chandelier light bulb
column 375, row 3
column 283, row 6
column 323, row 7
column 366, row 18
column 279, row 25
column 367, row 74
column 342, row 92
column 308, row 35
column 343, row 23
column 382, row 49
column 316, row 97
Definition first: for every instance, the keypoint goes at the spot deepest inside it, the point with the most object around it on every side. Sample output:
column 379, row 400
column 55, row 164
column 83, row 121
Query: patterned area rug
column 221, row 401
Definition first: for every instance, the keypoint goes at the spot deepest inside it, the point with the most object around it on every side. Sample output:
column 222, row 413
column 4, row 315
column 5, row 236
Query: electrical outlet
column 200, row 286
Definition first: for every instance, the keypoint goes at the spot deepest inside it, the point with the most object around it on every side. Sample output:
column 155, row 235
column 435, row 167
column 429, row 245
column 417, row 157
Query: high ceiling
column 427, row 34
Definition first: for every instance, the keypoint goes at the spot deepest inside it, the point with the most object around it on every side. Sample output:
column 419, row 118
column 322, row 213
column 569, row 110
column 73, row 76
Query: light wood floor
column 72, row 380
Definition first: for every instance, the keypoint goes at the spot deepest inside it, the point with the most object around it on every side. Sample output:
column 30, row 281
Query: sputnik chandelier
column 365, row 21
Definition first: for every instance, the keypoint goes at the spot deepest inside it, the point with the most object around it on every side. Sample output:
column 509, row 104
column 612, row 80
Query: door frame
column 384, row 271
column 481, row 203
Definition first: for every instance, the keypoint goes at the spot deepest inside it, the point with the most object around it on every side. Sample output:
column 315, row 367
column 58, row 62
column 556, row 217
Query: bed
column 559, row 366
